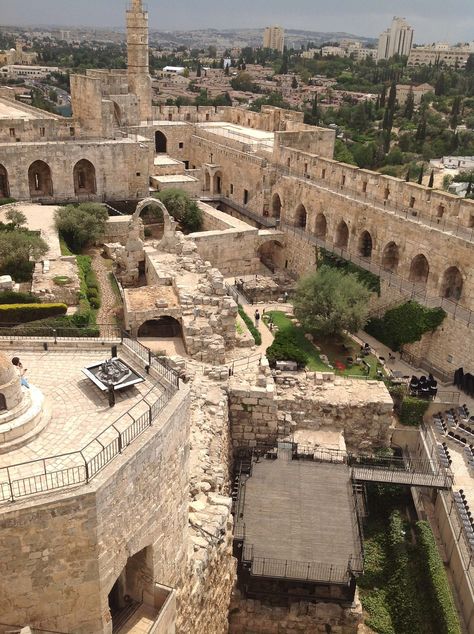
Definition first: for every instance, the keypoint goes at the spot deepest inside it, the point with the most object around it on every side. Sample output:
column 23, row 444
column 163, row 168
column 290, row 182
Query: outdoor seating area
column 465, row 514
column 458, row 426
column 423, row 387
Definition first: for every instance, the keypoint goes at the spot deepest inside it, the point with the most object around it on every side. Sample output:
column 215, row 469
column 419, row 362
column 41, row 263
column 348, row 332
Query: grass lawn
column 336, row 351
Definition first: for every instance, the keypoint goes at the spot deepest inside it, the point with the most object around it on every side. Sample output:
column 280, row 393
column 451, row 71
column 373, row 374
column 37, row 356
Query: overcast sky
column 451, row 20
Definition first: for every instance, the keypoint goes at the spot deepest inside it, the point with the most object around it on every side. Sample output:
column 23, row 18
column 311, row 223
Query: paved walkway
column 109, row 305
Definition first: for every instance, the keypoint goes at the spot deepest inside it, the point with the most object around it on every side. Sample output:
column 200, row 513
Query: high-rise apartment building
column 398, row 39
column 274, row 37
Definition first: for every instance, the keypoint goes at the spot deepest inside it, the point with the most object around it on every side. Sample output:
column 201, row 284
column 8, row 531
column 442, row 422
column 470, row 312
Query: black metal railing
column 160, row 364
column 52, row 472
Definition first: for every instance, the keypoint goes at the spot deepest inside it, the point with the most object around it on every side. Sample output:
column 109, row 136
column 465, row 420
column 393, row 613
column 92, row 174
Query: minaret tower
column 139, row 80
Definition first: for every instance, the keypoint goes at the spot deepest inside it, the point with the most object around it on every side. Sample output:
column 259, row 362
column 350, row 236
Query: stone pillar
column 139, row 80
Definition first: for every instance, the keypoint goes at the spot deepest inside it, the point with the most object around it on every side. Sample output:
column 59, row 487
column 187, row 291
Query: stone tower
column 139, row 80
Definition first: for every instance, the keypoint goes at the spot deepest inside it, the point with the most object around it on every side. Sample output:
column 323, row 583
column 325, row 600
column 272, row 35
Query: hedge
column 6, row 201
column 412, row 410
column 90, row 292
column 442, row 600
column 250, row 325
column 12, row 297
column 405, row 324
column 23, row 313
column 284, row 348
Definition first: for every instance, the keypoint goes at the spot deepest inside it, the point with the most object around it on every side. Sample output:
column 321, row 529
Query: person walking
column 257, row 318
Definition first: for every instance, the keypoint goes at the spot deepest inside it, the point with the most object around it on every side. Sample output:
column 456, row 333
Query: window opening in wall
column 364, row 187
column 246, row 196
column 343, row 182
column 288, row 163
column 12, row 131
column 170, row 116
column 386, row 193
column 186, row 165
column 72, row 131
column 37, row 182
column 3, row 403
column 306, row 168
column 188, row 117
column 231, row 188
column 139, row 173
column 471, row 222
column 81, row 179
column 181, row 145
column 207, row 117
column 441, row 210
column 412, row 202
column 323, row 174
column 42, row 131
column 248, row 122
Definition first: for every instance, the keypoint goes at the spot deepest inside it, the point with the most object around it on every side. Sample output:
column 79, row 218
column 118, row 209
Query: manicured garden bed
column 337, row 352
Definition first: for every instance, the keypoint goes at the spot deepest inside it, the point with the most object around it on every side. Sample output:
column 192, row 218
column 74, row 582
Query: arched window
column 84, row 178
column 40, row 180
column 391, row 257
column 419, row 269
column 451, row 286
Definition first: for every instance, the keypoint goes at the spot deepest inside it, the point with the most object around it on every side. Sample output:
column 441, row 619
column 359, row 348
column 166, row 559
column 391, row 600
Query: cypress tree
column 420, row 177
column 431, row 181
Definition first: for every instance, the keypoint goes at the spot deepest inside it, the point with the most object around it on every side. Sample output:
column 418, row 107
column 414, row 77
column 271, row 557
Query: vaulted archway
column 161, row 142
column 40, row 180
column 4, row 184
column 391, row 257
column 419, row 269
column 452, row 284
column 321, row 226
column 365, row 245
column 342, row 235
column 84, row 178
column 161, row 328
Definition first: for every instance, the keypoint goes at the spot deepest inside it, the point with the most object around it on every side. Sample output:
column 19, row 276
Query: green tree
column 198, row 70
column 431, row 181
column 16, row 218
column 19, row 249
column 294, row 83
column 392, row 96
column 440, row 85
column 182, row 208
column 409, row 105
column 330, row 301
column 244, row 82
column 81, row 225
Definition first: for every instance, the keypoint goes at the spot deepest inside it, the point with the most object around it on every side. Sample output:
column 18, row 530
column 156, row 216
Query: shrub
column 23, row 313
column 182, row 208
column 284, row 348
column 12, row 297
column 6, row 201
column 405, row 324
column 81, row 225
column 442, row 600
column 83, row 316
column 412, row 411
column 250, row 325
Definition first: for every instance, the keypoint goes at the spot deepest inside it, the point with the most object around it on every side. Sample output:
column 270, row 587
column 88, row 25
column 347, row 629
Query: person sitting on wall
column 21, row 371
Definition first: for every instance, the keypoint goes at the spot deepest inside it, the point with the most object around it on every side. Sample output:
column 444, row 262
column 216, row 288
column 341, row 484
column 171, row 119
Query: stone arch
column 84, row 178
column 452, row 284
column 321, row 226
column 150, row 202
column 276, row 206
column 342, row 235
column 164, row 327
column 117, row 114
column 419, row 269
column 40, row 180
column 3, row 402
column 391, row 257
column 161, row 142
column 365, row 245
column 301, row 216
column 271, row 254
column 4, row 184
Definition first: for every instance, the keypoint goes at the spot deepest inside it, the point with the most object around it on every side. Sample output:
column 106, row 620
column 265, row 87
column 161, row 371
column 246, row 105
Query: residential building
column 397, row 39
column 18, row 71
column 274, row 38
column 441, row 54
column 403, row 90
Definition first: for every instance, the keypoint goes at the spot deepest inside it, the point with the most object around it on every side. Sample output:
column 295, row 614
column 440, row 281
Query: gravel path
column 109, row 303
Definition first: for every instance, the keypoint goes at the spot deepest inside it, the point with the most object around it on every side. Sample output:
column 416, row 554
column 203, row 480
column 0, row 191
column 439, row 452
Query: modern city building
column 274, row 38
column 397, row 39
column 441, row 54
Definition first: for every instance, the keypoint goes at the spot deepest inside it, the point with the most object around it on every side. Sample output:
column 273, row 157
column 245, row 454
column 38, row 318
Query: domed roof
column 7, row 370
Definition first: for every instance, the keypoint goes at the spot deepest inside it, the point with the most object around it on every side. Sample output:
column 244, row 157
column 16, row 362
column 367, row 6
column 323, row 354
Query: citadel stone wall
column 62, row 553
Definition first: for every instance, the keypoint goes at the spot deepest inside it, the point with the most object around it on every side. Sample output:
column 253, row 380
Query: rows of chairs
column 444, row 455
column 469, row 453
column 465, row 515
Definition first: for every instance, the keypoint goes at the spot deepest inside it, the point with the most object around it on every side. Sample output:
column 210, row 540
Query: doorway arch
column 342, row 235
column 161, row 142
column 419, row 269
column 40, row 180
column 4, row 184
column 452, row 284
column 391, row 257
column 321, row 226
column 217, row 183
column 301, row 217
column 365, row 246
column 271, row 254
column 165, row 327
column 276, row 206
column 84, row 178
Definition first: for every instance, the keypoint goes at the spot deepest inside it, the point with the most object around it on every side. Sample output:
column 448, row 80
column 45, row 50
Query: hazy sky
column 451, row 20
